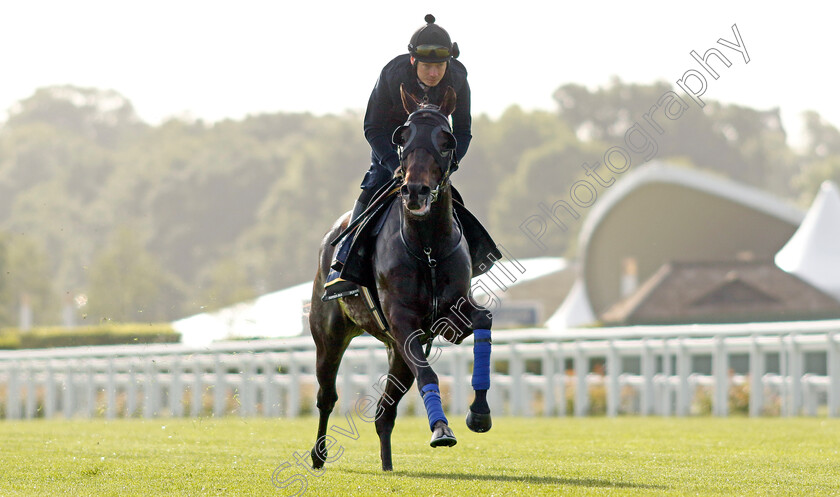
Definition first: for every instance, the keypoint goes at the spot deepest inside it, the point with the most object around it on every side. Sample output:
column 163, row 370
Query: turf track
column 520, row 456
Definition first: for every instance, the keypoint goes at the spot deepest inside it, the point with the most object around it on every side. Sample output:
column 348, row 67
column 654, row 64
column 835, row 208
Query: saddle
column 358, row 267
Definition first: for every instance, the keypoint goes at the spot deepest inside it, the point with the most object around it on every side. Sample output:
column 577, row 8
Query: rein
column 444, row 181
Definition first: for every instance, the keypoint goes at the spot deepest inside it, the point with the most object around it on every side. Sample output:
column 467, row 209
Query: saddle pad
column 483, row 250
column 358, row 267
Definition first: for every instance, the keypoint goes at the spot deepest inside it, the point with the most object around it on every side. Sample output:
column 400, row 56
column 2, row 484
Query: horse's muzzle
column 416, row 197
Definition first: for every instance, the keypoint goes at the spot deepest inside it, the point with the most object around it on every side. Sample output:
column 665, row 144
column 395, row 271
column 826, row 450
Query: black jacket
column 385, row 110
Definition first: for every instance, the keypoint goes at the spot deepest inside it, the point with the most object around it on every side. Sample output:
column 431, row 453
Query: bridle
column 445, row 157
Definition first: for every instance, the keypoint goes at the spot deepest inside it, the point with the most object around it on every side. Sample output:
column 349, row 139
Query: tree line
column 112, row 219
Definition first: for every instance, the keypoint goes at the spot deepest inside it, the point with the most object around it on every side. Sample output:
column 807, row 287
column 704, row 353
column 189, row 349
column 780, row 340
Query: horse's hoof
column 479, row 423
column 317, row 462
column 442, row 437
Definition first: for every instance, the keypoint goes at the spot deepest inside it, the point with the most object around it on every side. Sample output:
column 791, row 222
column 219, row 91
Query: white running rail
column 636, row 370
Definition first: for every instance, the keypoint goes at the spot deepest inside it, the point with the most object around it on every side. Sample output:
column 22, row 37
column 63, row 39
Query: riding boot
column 336, row 287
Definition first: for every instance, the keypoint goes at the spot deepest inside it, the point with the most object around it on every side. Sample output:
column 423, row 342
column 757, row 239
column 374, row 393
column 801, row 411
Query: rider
column 426, row 70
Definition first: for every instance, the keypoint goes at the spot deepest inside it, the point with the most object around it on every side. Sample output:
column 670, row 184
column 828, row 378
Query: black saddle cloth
column 358, row 267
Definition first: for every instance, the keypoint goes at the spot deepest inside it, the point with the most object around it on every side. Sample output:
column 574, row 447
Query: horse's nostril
column 412, row 190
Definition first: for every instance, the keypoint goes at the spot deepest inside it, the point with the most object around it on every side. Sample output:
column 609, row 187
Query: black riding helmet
column 431, row 43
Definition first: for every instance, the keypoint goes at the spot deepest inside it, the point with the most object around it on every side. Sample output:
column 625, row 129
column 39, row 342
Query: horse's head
column 427, row 151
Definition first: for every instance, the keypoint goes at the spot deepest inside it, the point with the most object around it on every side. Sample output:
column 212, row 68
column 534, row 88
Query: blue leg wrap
column 434, row 409
column 481, row 360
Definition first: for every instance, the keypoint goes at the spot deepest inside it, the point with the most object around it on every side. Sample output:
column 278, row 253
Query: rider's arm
column 462, row 118
column 462, row 121
column 377, row 128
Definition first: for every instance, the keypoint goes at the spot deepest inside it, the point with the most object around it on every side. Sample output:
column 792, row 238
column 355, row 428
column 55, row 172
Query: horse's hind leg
column 399, row 380
column 330, row 346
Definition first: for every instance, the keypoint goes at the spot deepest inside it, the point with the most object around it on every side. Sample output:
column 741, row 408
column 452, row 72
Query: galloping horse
column 422, row 269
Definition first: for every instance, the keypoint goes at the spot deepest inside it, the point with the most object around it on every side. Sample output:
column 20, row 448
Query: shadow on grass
column 549, row 480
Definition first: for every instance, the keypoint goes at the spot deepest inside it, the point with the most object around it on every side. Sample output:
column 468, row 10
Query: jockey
column 426, row 70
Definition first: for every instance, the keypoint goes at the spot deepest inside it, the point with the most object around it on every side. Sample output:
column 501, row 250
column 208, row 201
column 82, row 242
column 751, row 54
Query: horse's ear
column 410, row 104
column 447, row 107
column 399, row 138
column 451, row 142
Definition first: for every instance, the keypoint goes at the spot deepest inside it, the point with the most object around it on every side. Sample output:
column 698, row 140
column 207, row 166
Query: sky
column 213, row 60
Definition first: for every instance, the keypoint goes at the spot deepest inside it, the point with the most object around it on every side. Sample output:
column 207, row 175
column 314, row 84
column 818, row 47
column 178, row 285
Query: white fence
column 785, row 368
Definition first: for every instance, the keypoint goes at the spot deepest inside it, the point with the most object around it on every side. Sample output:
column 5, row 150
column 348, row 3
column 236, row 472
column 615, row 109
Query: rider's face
column 431, row 73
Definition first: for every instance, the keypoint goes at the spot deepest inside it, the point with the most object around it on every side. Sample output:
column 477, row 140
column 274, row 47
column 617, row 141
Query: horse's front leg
column 477, row 322
column 408, row 339
column 478, row 419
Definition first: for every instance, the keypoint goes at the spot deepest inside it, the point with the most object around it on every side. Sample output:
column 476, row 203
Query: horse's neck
column 437, row 231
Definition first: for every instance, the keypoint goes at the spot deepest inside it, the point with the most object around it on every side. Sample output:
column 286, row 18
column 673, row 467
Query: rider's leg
column 343, row 248
column 336, row 286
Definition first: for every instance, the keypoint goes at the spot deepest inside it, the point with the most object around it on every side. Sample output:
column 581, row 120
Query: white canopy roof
column 274, row 315
column 512, row 272
column 813, row 252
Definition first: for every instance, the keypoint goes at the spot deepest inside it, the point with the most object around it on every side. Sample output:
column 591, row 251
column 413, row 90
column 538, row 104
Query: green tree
column 544, row 176
column 820, row 160
column 745, row 144
column 5, row 294
column 27, row 276
column 324, row 162
column 225, row 283
column 606, row 113
column 822, row 139
column 817, row 171
column 497, row 149
column 127, row 283
column 103, row 116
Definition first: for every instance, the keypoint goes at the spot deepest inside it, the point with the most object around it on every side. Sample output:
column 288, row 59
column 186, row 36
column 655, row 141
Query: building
column 661, row 216
column 734, row 291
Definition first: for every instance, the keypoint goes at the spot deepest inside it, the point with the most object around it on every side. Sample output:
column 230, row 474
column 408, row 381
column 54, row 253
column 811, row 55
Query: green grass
column 519, row 456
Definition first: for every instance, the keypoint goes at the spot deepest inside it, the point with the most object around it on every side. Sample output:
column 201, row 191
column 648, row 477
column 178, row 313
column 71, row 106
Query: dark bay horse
column 422, row 269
